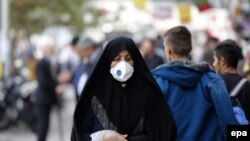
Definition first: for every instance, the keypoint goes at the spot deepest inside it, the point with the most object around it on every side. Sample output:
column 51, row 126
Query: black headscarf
column 126, row 103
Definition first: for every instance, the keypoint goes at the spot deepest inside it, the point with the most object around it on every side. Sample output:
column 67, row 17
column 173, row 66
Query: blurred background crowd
column 72, row 34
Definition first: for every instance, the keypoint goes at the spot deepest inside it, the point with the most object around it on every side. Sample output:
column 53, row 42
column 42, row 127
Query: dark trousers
column 43, row 116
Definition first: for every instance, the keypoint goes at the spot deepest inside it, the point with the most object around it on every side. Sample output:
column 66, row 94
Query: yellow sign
column 185, row 13
column 140, row 3
column 1, row 70
column 32, row 69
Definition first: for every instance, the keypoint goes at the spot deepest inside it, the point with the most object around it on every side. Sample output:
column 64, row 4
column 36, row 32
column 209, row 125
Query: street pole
column 4, row 48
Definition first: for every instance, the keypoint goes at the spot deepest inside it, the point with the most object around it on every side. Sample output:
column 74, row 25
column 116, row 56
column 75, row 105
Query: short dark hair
column 74, row 41
column 180, row 39
column 230, row 51
column 86, row 43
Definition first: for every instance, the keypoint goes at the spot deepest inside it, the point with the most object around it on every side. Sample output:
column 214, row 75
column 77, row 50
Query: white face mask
column 122, row 71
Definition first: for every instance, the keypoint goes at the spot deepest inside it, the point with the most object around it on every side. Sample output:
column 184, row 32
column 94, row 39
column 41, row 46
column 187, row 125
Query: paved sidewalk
column 22, row 133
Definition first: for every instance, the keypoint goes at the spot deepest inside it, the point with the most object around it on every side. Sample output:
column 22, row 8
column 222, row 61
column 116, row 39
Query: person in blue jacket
column 197, row 96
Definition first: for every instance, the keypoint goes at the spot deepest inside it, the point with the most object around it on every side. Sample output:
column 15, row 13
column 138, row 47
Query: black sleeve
column 76, row 137
column 244, row 98
column 160, row 122
column 139, row 138
column 88, row 124
column 44, row 76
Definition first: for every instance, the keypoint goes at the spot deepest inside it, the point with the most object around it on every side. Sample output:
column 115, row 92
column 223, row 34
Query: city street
column 141, row 69
column 22, row 133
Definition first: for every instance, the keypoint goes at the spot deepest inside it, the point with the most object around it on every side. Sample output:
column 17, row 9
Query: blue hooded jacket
column 198, row 99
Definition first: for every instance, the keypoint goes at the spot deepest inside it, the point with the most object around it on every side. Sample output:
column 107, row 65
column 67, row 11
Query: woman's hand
column 113, row 136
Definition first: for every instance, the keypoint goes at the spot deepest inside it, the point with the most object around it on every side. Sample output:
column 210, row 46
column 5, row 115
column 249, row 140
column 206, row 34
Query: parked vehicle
column 16, row 102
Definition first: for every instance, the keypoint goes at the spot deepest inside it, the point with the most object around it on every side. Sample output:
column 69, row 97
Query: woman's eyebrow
column 118, row 56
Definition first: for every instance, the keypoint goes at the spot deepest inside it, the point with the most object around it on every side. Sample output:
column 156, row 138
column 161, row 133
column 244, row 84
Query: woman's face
column 122, row 56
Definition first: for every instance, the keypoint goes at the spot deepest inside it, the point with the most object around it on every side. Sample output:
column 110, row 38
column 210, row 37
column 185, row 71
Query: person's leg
column 43, row 115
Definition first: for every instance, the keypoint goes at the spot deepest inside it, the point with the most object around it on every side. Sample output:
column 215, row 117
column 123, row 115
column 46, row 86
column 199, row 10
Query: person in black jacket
column 121, row 100
column 226, row 57
column 147, row 49
column 89, row 51
column 45, row 95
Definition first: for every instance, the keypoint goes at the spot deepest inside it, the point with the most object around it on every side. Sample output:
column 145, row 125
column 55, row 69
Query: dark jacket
column 85, row 69
column 231, row 80
column 153, row 62
column 45, row 93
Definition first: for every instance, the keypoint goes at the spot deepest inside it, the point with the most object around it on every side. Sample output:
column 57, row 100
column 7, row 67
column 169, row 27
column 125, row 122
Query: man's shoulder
column 232, row 76
column 247, row 87
column 231, row 79
column 162, row 66
column 159, row 69
column 211, row 77
column 212, row 74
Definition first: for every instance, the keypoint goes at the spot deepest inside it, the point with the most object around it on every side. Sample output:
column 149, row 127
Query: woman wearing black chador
column 121, row 100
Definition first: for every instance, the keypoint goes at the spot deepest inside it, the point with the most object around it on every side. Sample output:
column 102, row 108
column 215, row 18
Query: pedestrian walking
column 121, row 100
column 196, row 95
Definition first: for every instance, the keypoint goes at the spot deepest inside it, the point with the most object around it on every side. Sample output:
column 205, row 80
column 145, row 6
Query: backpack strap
column 238, row 87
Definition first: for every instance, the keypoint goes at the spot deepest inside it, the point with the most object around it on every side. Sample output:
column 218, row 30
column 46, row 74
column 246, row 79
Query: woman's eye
column 116, row 59
column 128, row 59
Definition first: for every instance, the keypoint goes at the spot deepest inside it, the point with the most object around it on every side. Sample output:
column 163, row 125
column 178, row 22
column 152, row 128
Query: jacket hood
column 185, row 74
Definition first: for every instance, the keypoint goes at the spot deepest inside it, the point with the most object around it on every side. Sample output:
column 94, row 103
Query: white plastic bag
column 98, row 136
